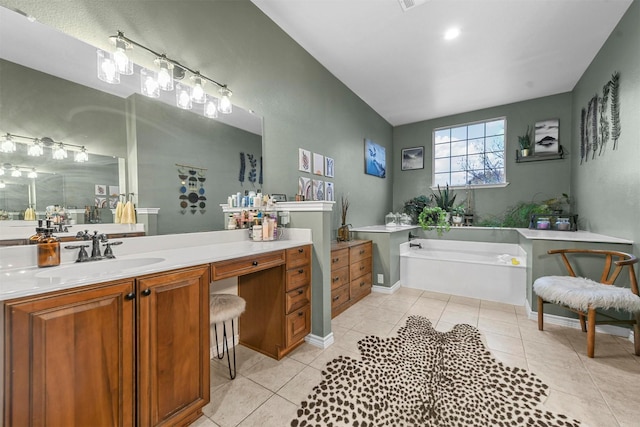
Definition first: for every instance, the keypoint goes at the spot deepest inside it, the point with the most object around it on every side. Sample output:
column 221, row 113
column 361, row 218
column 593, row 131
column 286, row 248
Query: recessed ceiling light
column 452, row 33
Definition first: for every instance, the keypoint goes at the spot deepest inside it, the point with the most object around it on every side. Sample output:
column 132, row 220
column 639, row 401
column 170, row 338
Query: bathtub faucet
column 415, row 245
column 412, row 236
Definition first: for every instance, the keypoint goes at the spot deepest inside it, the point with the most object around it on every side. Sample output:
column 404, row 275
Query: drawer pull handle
column 361, row 284
column 146, row 292
column 300, row 271
column 336, row 298
column 300, row 250
column 335, row 279
column 130, row 296
column 361, row 251
column 300, row 291
column 336, row 259
column 255, row 263
column 362, row 267
column 300, row 313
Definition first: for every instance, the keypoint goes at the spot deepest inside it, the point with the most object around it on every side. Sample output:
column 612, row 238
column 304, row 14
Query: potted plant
column 434, row 218
column 414, row 206
column 445, row 198
column 457, row 215
column 525, row 143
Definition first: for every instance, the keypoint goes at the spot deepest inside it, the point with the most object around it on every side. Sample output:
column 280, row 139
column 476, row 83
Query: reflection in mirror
column 50, row 82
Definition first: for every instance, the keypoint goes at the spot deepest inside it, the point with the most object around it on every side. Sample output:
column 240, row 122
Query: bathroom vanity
column 126, row 341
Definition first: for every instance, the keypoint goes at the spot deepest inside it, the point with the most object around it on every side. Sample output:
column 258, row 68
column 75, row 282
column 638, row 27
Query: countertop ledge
column 28, row 280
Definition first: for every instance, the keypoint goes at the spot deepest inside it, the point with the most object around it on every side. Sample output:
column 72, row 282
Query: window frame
column 467, row 124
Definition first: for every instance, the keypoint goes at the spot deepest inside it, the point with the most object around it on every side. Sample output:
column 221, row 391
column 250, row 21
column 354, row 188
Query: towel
column 128, row 214
column 30, row 214
column 118, row 215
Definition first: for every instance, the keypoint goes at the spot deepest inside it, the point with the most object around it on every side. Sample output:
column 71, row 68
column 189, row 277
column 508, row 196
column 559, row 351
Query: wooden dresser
column 351, row 273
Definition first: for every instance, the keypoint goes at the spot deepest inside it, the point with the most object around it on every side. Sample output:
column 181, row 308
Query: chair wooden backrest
column 609, row 275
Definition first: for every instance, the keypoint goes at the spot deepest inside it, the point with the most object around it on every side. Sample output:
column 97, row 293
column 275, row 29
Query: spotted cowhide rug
column 424, row 377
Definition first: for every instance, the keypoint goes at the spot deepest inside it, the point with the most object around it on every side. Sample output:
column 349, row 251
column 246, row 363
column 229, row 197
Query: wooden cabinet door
column 70, row 358
column 173, row 346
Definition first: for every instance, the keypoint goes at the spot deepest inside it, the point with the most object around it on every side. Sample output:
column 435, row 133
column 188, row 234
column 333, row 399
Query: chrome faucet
column 96, row 239
column 412, row 236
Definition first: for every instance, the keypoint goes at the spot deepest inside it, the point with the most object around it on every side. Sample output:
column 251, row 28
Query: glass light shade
column 81, row 156
column 36, row 149
column 165, row 74
column 122, row 61
column 224, row 105
column 210, row 108
column 183, row 97
column 16, row 173
column 8, row 145
column 1, row 170
column 59, row 152
column 32, row 173
column 198, row 94
column 149, row 83
column 2, row 184
column 107, row 68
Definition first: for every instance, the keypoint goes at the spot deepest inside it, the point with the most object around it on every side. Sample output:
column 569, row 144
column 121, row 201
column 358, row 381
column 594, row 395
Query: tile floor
column 604, row 391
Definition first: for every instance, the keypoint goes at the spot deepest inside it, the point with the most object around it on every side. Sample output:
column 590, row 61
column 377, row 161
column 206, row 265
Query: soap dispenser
column 39, row 230
column 48, row 249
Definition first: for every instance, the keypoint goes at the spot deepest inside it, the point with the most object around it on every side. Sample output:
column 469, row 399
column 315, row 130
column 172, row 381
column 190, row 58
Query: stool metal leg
column 218, row 354
column 232, row 374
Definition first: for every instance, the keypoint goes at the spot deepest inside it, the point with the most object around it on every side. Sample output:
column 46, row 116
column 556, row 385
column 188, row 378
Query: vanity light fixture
column 81, row 156
column 16, row 172
column 2, row 184
column 32, row 173
column 151, row 81
column 8, row 145
column 58, row 152
column 1, row 170
column 452, row 33
column 210, row 108
column 36, row 149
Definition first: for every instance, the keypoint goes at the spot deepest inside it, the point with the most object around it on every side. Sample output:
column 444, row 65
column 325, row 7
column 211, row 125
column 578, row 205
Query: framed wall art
column 375, row 161
column 329, row 165
column 546, row 137
column 318, row 164
column 412, row 158
column 304, row 160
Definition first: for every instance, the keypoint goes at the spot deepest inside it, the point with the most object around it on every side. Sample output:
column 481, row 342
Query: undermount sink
column 104, row 267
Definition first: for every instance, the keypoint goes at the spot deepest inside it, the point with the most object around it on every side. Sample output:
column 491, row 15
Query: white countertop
column 18, row 229
column 384, row 228
column 571, row 236
column 20, row 276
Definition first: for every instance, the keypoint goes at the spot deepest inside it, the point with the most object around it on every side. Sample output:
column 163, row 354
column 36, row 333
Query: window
column 470, row 154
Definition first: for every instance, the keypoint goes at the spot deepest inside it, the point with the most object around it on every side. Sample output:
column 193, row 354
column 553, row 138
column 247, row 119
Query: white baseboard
column 386, row 289
column 318, row 341
column 575, row 323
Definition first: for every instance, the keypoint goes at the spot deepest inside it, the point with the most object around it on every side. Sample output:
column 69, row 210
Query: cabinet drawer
column 339, row 296
column 246, row 265
column 298, row 325
column 339, row 277
column 297, row 257
column 360, row 252
column 297, row 298
column 339, row 258
column 360, row 286
column 360, row 268
column 297, row 277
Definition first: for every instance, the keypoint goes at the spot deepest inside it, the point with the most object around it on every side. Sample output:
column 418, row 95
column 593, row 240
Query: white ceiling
column 399, row 63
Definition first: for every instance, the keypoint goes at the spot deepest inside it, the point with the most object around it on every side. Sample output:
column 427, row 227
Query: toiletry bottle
column 231, row 223
column 266, row 224
column 34, row 239
column 257, row 232
column 48, row 249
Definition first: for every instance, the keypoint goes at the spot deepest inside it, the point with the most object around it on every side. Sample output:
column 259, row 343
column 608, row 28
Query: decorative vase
column 343, row 233
column 457, row 220
column 525, row 152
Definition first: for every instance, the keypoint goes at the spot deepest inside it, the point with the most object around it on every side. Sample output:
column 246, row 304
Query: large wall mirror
column 49, row 88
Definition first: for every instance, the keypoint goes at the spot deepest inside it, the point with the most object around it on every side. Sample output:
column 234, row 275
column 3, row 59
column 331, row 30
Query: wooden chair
column 584, row 296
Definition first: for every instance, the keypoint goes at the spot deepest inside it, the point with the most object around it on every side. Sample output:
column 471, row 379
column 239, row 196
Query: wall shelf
column 537, row 158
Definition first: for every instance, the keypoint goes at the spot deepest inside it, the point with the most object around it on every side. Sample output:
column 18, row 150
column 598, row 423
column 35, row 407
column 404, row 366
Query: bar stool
column 225, row 307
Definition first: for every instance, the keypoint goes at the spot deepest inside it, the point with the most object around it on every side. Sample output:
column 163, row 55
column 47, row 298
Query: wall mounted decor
column 546, row 137
column 318, row 164
column 243, row 166
column 192, row 192
column 101, row 190
column 318, row 189
column 412, row 158
column 329, row 165
column 253, row 162
column 304, row 187
column 329, row 192
column 374, row 159
column 304, row 160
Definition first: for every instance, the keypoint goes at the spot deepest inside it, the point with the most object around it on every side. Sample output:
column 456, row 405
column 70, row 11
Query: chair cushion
column 579, row 293
column 224, row 307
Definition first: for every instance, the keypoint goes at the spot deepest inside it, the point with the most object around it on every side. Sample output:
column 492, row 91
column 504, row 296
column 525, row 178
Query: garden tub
column 489, row 271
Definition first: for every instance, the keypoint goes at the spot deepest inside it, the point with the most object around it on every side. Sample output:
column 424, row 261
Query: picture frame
column 318, row 189
column 101, row 190
column 329, row 191
column 304, row 187
column 412, row 158
column 304, row 160
column 375, row 161
column 329, row 167
column 546, row 137
column 318, row 164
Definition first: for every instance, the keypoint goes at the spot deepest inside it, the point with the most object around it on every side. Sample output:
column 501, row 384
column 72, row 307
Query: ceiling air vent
column 410, row 4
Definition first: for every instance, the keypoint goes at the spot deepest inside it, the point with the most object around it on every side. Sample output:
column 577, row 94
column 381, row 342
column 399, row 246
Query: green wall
column 607, row 188
column 531, row 181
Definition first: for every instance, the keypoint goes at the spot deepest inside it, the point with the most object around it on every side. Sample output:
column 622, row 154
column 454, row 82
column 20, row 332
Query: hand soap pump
column 39, row 231
column 48, row 248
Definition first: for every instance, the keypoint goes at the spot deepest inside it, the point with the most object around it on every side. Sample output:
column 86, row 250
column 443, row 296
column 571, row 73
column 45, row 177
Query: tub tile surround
column 557, row 355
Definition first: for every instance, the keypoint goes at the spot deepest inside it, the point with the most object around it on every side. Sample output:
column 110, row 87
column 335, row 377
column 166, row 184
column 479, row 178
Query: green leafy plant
column 457, row 210
column 445, row 198
column 414, row 206
column 525, row 140
column 434, row 218
column 557, row 204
